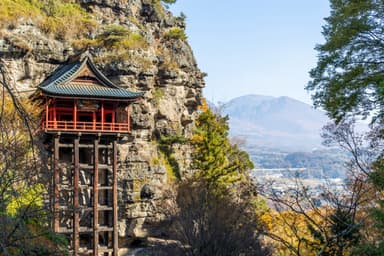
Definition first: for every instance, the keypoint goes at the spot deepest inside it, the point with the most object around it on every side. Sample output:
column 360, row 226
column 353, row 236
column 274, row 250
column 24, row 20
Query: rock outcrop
column 137, row 44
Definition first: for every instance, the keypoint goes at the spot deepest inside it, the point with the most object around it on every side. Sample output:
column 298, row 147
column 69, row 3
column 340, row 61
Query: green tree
column 215, row 158
column 349, row 76
column 348, row 81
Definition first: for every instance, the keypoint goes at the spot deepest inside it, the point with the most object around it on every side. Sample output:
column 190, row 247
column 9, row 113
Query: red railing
column 85, row 126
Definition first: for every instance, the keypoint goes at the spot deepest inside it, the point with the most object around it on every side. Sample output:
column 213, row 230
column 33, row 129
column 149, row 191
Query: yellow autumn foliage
column 30, row 197
column 17, row 158
column 296, row 231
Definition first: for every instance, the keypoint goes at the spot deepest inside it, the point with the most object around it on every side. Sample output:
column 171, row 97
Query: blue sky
column 254, row 46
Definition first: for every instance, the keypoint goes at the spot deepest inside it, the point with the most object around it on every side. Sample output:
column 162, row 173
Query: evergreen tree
column 215, row 158
column 344, row 230
column 349, row 76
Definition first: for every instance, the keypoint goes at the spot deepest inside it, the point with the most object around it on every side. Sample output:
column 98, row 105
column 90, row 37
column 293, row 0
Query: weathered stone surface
column 166, row 70
column 135, row 228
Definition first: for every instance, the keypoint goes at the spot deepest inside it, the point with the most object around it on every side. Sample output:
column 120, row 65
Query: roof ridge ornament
column 80, row 57
column 85, row 55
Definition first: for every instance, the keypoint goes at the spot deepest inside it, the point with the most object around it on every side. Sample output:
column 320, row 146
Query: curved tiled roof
column 60, row 83
column 90, row 90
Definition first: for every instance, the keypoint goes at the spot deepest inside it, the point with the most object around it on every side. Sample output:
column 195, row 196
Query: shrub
column 206, row 221
column 175, row 33
column 113, row 37
column 169, row 1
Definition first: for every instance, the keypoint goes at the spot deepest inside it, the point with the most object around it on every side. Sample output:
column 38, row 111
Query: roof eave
column 94, row 97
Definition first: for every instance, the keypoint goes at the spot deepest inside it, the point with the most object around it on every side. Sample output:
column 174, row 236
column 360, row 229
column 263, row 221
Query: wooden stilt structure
column 85, row 114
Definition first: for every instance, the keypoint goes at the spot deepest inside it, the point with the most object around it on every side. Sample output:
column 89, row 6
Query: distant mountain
column 276, row 123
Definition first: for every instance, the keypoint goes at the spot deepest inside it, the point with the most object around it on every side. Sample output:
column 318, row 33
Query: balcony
column 89, row 116
column 71, row 126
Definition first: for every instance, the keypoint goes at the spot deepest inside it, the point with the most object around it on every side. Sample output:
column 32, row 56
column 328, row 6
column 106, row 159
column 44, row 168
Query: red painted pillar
column 129, row 117
column 102, row 115
column 113, row 117
column 54, row 113
column 46, row 113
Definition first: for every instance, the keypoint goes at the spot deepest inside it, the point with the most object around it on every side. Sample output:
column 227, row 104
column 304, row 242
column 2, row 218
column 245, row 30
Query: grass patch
column 158, row 94
column 66, row 20
column 166, row 152
column 135, row 21
column 60, row 18
column 14, row 11
column 170, row 164
column 163, row 160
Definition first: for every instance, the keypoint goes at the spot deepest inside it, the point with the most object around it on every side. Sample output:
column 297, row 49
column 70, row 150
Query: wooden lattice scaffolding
column 85, row 192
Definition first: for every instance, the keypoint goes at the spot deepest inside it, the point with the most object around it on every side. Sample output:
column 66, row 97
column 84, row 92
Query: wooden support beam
column 96, row 197
column 76, row 220
column 75, row 114
column 115, row 213
column 56, row 180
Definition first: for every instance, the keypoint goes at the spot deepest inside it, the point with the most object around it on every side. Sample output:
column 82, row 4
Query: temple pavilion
column 84, row 116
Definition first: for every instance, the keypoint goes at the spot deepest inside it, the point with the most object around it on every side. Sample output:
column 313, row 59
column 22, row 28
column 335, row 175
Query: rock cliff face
column 138, row 45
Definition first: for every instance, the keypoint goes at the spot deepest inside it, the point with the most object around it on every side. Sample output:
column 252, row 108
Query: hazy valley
column 282, row 136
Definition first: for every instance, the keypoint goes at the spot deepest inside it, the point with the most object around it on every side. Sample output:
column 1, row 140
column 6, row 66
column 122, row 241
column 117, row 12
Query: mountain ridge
column 282, row 123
